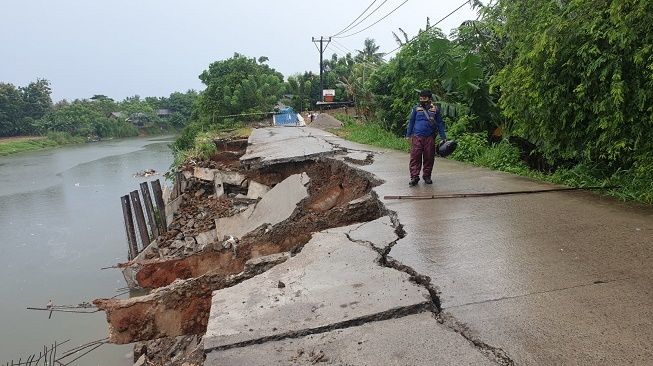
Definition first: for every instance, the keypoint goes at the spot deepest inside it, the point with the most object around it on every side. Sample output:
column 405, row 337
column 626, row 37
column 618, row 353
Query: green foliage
column 305, row 90
column 580, row 78
column 430, row 62
column 63, row 138
column 239, row 85
column 371, row 133
column 21, row 107
column 87, row 119
column 471, row 146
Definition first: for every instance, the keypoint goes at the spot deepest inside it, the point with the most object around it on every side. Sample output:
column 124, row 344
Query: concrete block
column 257, row 190
column 358, row 157
column 204, row 173
column 172, row 207
column 331, row 281
column 218, row 185
column 233, row 178
column 277, row 205
column 206, row 238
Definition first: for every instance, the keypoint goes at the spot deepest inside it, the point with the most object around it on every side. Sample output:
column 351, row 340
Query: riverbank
column 13, row 145
column 18, row 144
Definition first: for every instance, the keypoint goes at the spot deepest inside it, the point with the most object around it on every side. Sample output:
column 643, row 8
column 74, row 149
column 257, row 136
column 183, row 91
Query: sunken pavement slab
column 411, row 340
column 274, row 145
column 333, row 282
column 277, row 205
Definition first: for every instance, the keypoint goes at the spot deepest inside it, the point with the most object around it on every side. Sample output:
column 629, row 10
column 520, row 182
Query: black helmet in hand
column 446, row 148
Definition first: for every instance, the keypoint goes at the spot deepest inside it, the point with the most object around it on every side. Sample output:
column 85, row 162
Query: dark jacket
column 419, row 124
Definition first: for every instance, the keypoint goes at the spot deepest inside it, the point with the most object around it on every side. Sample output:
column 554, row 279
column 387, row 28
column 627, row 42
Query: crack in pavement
column 594, row 283
column 496, row 354
column 385, row 315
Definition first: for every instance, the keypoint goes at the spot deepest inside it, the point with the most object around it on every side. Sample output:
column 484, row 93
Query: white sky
column 154, row 47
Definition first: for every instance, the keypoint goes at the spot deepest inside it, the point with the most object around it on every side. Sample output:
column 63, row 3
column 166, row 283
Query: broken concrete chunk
column 140, row 361
column 267, row 260
column 359, row 157
column 206, row 238
column 218, row 185
column 380, row 233
column 204, row 173
column 277, row 205
column 257, row 190
column 233, row 178
column 173, row 207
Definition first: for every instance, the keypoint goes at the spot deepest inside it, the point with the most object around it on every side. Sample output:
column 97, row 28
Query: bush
column 372, row 134
column 470, row 147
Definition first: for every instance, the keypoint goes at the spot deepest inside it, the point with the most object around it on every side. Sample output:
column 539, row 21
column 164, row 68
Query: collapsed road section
column 277, row 254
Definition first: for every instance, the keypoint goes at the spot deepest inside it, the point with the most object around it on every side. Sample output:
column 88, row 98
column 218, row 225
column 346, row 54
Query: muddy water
column 60, row 222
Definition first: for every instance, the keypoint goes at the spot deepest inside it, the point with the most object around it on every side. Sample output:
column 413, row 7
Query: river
column 60, row 222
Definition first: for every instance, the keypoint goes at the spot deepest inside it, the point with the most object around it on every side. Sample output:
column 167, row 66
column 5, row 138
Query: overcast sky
column 154, row 47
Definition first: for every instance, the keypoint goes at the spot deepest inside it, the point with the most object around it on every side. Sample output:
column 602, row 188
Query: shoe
column 428, row 180
column 413, row 182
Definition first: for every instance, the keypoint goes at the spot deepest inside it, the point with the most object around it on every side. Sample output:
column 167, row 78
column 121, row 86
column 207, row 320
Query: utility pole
column 321, row 49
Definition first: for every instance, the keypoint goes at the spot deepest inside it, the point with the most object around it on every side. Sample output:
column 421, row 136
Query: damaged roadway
column 323, row 269
column 557, row 278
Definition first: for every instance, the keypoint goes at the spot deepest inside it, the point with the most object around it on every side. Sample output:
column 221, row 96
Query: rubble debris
column 145, row 173
column 197, row 256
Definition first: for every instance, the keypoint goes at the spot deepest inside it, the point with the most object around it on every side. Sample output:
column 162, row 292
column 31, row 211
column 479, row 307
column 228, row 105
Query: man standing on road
column 425, row 120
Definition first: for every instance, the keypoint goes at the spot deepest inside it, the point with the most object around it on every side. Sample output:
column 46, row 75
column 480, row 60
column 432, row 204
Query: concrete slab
column 172, row 207
column 380, row 232
column 276, row 145
column 233, row 178
column 218, row 185
column 256, row 190
column 359, row 157
column 204, row 173
column 206, row 238
column 277, row 205
column 331, row 281
column 417, row 340
column 596, row 324
column 520, row 271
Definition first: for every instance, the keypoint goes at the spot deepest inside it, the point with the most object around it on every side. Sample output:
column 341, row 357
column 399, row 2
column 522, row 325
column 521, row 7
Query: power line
column 373, row 24
column 429, row 27
column 353, row 21
column 367, row 16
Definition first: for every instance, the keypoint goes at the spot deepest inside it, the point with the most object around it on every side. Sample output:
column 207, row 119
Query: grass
column 370, row 134
column 199, row 145
column 21, row 144
column 633, row 185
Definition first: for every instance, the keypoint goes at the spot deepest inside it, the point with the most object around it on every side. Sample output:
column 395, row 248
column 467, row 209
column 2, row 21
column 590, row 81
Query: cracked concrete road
column 553, row 278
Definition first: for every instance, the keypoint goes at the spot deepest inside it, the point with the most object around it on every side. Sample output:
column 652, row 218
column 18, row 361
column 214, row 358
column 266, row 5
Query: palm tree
column 370, row 53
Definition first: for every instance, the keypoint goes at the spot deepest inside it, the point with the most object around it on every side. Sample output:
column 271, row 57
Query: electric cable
column 367, row 16
column 353, row 21
column 373, row 24
column 427, row 28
